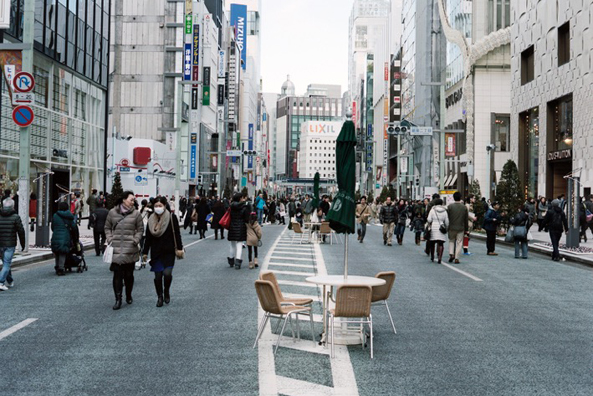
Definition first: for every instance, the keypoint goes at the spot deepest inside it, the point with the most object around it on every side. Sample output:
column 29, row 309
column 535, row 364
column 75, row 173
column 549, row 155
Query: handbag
column 108, row 254
column 259, row 243
column 520, row 233
column 225, row 222
column 442, row 226
column 209, row 218
column 589, row 216
column 510, row 237
column 180, row 254
column 529, row 236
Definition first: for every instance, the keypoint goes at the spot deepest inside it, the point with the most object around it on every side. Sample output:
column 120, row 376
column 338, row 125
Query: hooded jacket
column 61, row 238
column 11, row 226
column 123, row 232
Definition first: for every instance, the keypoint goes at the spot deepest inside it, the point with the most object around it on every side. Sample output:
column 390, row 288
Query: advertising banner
column 206, row 96
column 239, row 21
column 206, row 75
column 220, row 94
column 250, row 137
column 449, row 145
column 187, row 62
column 192, row 162
column 221, row 64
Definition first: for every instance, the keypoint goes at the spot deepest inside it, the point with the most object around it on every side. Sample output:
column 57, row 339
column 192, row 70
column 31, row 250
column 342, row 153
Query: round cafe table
column 335, row 281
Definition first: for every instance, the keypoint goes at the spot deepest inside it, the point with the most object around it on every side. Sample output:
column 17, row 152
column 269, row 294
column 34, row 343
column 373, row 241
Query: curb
column 37, row 258
column 568, row 256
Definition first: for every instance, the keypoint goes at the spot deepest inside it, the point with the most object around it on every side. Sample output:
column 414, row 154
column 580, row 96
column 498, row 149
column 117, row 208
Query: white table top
column 337, row 280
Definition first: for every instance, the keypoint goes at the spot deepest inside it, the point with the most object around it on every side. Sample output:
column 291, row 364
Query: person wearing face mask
column 124, row 229
column 163, row 237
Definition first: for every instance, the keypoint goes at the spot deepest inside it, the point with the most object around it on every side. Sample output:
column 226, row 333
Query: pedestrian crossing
column 292, row 263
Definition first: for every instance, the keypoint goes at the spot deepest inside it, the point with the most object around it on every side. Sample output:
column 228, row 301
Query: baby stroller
column 76, row 258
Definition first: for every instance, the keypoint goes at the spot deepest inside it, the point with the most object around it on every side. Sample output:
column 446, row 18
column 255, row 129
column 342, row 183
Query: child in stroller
column 76, row 256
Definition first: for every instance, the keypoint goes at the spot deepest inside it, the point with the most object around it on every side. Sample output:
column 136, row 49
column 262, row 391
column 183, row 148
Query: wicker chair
column 353, row 302
column 296, row 227
column 271, row 277
column 381, row 293
column 270, row 302
column 325, row 229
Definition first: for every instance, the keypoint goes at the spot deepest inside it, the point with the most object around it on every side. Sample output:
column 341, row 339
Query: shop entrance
column 60, row 185
column 556, row 183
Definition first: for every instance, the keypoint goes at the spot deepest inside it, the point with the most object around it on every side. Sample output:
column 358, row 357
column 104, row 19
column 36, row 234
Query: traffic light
column 249, row 152
column 396, row 129
column 200, row 179
column 417, row 181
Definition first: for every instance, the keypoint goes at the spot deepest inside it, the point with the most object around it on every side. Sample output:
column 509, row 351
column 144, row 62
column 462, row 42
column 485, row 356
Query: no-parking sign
column 23, row 116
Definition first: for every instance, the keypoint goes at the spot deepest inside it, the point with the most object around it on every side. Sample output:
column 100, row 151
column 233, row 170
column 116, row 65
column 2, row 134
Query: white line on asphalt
column 293, row 252
column 198, row 241
column 297, row 273
column 16, row 327
column 294, row 387
column 291, row 265
column 462, row 272
column 293, row 258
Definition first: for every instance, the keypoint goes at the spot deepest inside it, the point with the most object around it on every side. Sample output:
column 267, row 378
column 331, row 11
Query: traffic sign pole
column 24, row 147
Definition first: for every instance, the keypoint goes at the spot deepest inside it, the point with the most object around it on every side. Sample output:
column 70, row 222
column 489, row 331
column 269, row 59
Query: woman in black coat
column 188, row 217
column 238, row 229
column 163, row 237
column 203, row 210
column 218, row 211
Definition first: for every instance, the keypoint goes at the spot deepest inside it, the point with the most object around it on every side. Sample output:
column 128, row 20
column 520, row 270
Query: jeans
column 490, row 241
column 400, row 229
column 260, row 215
column 60, row 260
column 521, row 248
column 99, row 237
column 6, row 253
column 555, row 239
column 362, row 230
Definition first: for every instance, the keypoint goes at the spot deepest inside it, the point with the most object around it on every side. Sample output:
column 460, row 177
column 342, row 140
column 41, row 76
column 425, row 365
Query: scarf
column 159, row 224
column 123, row 209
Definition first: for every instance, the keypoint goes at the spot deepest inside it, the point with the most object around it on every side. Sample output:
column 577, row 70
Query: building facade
column 318, row 149
column 552, row 84
column 67, row 136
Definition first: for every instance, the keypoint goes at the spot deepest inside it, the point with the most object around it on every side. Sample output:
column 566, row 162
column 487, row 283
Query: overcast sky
column 307, row 39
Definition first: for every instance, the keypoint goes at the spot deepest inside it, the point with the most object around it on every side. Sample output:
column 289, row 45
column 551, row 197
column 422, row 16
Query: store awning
column 452, row 181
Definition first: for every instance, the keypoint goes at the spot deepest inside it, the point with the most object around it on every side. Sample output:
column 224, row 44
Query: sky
column 306, row 39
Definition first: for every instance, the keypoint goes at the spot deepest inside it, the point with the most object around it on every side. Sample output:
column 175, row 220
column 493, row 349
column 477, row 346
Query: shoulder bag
column 180, row 254
column 442, row 226
column 510, row 236
column 225, row 222
column 108, row 254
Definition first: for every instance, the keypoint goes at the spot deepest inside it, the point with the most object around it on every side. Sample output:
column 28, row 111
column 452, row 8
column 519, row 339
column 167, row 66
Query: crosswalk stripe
column 292, row 265
column 293, row 273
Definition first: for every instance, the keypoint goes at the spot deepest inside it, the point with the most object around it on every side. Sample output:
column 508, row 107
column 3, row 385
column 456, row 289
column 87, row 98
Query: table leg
column 324, row 304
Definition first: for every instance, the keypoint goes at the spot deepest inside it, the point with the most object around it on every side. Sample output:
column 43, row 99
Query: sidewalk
column 541, row 244
column 37, row 254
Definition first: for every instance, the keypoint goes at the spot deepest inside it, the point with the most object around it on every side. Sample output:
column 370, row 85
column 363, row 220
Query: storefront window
column 529, row 150
column 500, row 131
column 560, row 114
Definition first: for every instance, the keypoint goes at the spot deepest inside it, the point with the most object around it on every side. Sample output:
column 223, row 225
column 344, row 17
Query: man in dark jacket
column 99, row 217
column 589, row 207
column 10, row 226
column 324, row 205
column 555, row 222
column 458, row 217
column 388, row 216
column 92, row 201
column 491, row 223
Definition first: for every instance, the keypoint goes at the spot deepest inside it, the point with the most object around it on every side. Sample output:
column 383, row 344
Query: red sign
column 23, row 116
column 23, row 82
column 354, row 112
column 449, row 145
column 125, row 162
column 386, row 72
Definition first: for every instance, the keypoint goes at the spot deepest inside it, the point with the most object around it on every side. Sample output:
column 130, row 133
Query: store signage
column 250, row 137
column 196, row 55
column 220, row 64
column 238, row 20
column 187, row 62
column 188, row 21
column 449, row 145
column 192, row 162
column 454, row 98
column 206, row 75
column 124, row 168
column 206, row 96
column 140, row 181
column 194, row 98
column 220, row 94
column 559, row 155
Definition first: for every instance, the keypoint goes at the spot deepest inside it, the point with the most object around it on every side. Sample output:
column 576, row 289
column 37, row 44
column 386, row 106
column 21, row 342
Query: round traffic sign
column 23, row 116
column 125, row 162
column 23, row 82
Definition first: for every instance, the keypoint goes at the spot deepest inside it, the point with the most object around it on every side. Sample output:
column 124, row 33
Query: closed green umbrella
column 341, row 214
column 316, row 190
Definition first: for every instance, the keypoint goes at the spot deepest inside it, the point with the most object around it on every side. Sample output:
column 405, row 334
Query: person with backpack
column 254, row 235
column 556, row 223
column 522, row 222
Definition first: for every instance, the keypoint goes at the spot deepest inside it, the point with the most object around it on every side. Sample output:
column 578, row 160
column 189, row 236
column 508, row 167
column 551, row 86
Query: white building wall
column 318, row 149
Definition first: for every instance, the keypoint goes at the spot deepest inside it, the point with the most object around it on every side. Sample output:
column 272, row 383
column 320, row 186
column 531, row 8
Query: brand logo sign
column 321, row 128
column 220, row 64
column 559, row 155
column 454, row 98
column 238, row 20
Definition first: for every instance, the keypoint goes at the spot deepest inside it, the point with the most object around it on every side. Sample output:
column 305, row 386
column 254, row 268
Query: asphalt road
column 503, row 327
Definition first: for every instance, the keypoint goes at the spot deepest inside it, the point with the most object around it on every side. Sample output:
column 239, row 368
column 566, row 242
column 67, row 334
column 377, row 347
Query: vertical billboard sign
column 221, row 64
column 193, row 155
column 449, row 145
column 187, row 62
column 239, row 21
column 250, row 146
column 196, row 55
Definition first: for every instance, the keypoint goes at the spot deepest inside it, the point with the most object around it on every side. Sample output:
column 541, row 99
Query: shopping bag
column 108, row 255
column 225, row 222
column 510, row 237
column 529, row 236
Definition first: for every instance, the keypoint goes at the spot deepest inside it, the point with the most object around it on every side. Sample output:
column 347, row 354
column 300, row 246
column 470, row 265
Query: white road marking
column 198, row 241
column 462, row 272
column 293, row 273
column 16, row 327
column 291, row 265
column 290, row 253
column 292, row 258
column 342, row 372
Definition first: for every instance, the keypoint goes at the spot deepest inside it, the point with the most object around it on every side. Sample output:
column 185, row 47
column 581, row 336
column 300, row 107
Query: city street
column 487, row 326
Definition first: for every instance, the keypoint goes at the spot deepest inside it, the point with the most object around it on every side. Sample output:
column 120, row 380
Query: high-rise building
column 292, row 112
column 552, row 89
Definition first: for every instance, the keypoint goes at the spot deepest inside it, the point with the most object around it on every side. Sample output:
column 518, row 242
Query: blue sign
column 250, row 137
column 124, row 169
column 239, row 21
column 192, row 162
column 138, row 179
column 250, row 162
column 187, row 58
column 370, row 132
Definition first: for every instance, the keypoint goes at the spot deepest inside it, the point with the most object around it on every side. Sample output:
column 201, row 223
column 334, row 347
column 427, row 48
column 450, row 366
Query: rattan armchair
column 270, row 302
column 296, row 227
column 325, row 230
column 271, row 277
column 353, row 305
column 381, row 293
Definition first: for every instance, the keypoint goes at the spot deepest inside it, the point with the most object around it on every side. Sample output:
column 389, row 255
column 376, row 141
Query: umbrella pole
column 346, row 255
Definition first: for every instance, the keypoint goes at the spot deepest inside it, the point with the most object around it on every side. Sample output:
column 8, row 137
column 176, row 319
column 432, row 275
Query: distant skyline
column 306, row 39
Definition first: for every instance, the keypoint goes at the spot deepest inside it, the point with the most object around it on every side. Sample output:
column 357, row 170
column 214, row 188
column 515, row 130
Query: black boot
column 158, row 285
column 168, row 280
column 117, row 302
column 129, row 286
column 222, row 233
column 238, row 263
column 215, row 234
column 231, row 261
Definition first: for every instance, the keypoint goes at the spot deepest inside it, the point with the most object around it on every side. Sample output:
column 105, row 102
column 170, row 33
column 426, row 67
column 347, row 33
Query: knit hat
column 556, row 202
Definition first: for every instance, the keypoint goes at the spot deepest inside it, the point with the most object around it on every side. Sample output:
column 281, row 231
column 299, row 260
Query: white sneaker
column 9, row 284
column 3, row 288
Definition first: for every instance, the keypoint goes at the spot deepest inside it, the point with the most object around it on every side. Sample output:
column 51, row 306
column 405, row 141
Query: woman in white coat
column 438, row 216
